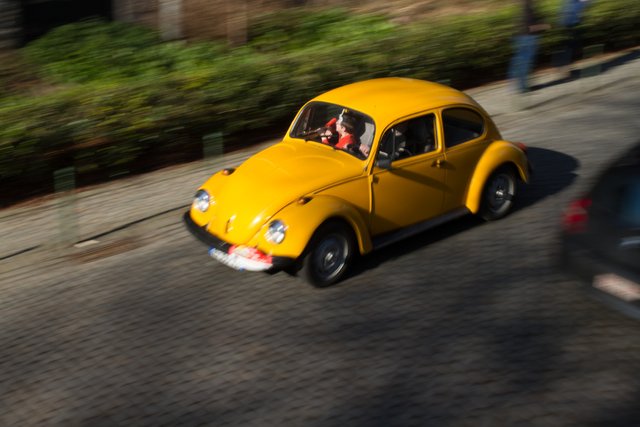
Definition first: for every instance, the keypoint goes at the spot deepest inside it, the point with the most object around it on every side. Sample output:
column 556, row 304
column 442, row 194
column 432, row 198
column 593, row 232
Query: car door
column 407, row 183
column 463, row 131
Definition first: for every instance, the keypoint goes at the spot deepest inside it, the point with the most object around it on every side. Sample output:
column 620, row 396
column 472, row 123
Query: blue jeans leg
column 525, row 48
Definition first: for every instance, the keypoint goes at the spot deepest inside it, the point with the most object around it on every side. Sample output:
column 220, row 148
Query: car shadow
column 553, row 171
column 413, row 243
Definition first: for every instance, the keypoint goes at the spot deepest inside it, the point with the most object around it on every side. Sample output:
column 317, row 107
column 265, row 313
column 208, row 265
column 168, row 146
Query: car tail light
column 576, row 216
column 521, row 146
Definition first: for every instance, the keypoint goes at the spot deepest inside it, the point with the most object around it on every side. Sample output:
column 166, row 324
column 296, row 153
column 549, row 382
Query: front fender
column 498, row 153
column 303, row 219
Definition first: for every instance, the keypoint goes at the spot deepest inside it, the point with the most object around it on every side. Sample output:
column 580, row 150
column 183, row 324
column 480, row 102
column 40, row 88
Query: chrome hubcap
column 331, row 255
column 499, row 191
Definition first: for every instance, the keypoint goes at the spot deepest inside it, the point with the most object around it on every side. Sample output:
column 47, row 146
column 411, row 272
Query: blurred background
column 116, row 87
column 112, row 315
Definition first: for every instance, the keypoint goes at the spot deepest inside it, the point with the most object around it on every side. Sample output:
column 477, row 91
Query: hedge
column 118, row 99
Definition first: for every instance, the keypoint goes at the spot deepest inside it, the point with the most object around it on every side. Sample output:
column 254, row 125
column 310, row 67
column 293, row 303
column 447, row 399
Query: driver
column 345, row 127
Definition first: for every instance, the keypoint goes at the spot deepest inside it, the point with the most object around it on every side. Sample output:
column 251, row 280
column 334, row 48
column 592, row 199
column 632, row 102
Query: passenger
column 364, row 149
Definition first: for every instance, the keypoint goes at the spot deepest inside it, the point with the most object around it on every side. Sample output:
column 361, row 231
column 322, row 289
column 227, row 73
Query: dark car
column 601, row 235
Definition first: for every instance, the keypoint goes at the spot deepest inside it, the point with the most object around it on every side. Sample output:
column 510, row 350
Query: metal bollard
column 212, row 149
column 64, row 184
column 595, row 68
column 212, row 145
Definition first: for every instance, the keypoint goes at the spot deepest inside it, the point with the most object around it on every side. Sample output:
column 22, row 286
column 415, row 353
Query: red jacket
column 345, row 141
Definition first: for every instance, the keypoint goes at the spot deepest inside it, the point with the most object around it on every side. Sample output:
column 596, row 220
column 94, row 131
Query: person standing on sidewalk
column 525, row 45
column 570, row 19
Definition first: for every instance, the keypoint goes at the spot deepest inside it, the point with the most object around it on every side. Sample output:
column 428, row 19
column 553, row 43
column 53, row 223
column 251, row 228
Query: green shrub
column 299, row 29
column 95, row 50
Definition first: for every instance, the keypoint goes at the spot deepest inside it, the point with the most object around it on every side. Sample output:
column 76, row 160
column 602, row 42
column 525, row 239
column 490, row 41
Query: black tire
column 498, row 194
column 328, row 255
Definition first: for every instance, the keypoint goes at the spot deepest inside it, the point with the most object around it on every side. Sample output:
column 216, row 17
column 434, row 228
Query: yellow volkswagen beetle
column 360, row 167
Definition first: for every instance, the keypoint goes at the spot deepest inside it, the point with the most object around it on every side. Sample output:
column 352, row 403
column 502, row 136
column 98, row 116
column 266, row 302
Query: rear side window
column 617, row 196
column 461, row 125
column 630, row 203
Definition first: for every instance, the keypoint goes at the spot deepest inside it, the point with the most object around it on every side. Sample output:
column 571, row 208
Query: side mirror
column 387, row 146
column 384, row 163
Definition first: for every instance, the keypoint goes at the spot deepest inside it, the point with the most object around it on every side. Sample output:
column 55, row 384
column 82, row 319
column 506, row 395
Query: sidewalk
column 500, row 99
column 95, row 211
column 102, row 209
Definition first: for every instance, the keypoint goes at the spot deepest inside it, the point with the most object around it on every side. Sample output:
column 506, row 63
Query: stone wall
column 220, row 19
column 143, row 12
column 170, row 19
column 204, row 19
column 175, row 19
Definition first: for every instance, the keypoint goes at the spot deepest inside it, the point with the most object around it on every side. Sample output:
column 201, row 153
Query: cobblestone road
column 469, row 324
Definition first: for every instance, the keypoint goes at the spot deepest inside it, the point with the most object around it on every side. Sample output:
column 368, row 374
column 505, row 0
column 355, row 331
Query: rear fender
column 498, row 154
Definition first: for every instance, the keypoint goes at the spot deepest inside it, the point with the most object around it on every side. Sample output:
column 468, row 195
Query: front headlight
column 276, row 232
column 202, row 201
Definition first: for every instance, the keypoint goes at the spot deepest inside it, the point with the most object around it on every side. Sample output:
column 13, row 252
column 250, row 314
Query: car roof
column 387, row 99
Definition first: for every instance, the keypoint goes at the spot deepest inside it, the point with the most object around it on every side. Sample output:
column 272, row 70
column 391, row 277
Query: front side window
column 461, row 125
column 409, row 138
column 337, row 126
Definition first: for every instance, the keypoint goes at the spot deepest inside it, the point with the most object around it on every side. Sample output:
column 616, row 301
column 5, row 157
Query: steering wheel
column 403, row 152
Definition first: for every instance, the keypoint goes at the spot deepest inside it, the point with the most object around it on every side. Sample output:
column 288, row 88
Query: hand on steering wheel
column 403, row 151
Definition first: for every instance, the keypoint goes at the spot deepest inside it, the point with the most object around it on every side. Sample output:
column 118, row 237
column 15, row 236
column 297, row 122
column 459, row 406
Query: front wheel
column 328, row 255
column 498, row 194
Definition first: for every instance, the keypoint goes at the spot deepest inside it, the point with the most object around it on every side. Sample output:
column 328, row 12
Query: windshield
column 337, row 126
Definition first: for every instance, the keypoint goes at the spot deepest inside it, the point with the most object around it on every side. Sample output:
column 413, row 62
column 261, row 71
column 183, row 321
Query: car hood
column 269, row 181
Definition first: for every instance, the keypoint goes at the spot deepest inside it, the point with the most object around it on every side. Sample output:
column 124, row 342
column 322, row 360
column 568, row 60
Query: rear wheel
column 328, row 255
column 498, row 194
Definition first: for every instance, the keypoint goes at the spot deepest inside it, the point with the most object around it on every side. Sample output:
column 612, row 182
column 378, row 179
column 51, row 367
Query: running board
column 403, row 233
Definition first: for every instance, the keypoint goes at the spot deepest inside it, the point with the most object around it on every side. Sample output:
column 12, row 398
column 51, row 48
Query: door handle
column 438, row 163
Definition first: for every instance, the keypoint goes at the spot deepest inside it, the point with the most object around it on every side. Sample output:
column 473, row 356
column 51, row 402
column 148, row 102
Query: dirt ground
column 417, row 9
